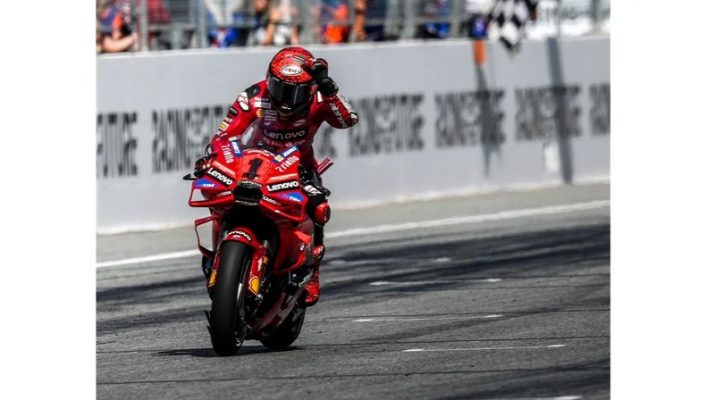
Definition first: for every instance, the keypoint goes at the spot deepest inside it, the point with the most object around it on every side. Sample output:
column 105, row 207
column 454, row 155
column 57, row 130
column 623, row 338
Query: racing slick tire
column 228, row 327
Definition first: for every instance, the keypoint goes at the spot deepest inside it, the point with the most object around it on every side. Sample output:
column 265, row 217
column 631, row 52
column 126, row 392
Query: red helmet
column 289, row 84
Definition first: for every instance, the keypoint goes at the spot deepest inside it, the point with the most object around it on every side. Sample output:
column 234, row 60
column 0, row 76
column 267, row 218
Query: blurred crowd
column 235, row 23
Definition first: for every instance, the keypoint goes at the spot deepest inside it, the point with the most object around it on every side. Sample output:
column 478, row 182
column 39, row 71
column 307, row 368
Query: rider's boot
column 312, row 289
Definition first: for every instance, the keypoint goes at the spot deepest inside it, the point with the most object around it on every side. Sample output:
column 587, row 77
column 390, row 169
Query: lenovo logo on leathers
column 290, row 135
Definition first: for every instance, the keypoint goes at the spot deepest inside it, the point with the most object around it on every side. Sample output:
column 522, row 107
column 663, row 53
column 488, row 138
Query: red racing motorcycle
column 263, row 236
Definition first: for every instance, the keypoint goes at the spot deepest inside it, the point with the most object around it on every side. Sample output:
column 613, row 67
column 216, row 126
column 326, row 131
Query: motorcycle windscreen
column 291, row 94
column 252, row 138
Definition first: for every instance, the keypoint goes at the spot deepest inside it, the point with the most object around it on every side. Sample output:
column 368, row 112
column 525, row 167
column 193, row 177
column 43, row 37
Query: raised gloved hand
column 319, row 71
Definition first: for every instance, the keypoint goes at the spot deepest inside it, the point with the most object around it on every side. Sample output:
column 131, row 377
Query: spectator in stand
column 275, row 23
column 115, row 34
column 334, row 21
column 221, row 15
column 370, row 20
column 439, row 10
column 476, row 26
column 157, row 14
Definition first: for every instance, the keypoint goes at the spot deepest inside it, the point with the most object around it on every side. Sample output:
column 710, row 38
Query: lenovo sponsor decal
column 283, row 186
column 220, row 177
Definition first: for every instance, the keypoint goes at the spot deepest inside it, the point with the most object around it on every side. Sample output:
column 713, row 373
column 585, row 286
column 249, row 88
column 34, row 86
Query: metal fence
column 185, row 24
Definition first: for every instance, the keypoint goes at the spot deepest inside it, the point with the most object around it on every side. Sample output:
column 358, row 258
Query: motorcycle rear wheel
column 227, row 303
column 287, row 332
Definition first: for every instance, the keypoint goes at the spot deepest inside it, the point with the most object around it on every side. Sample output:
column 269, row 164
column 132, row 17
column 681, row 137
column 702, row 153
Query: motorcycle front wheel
column 228, row 326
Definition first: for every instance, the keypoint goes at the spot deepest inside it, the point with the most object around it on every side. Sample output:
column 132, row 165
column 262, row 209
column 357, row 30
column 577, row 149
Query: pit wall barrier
column 433, row 122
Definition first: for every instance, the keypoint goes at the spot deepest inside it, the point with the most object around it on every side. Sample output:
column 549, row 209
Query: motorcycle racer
column 296, row 97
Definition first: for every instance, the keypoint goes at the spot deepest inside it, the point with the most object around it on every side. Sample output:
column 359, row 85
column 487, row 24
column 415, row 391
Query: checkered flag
column 511, row 16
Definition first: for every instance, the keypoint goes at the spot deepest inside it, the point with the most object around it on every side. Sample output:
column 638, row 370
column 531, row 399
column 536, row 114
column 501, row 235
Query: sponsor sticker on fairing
column 311, row 190
column 292, row 196
column 283, row 186
column 236, row 148
column 204, row 183
column 241, row 234
column 220, row 177
column 289, row 151
column 227, row 154
column 287, row 163
column 279, row 158
column 270, row 200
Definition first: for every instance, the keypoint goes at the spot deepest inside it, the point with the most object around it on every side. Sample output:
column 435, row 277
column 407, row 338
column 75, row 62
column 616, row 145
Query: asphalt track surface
column 514, row 306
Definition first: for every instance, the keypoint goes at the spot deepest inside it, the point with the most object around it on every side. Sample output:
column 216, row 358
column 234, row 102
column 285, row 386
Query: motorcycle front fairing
column 242, row 174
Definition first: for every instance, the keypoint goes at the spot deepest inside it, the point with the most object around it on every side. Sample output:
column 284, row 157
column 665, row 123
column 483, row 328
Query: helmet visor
column 288, row 94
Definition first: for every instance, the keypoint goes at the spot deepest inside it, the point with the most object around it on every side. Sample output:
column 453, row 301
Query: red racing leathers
column 280, row 133
column 283, row 132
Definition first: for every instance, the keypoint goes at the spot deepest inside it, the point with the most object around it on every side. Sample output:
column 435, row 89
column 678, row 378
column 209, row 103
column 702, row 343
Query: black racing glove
column 203, row 163
column 312, row 184
column 319, row 72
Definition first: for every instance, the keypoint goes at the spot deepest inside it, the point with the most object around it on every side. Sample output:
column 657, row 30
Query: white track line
column 551, row 346
column 434, row 281
column 471, row 219
column 158, row 257
column 543, row 398
column 500, row 216
column 434, row 318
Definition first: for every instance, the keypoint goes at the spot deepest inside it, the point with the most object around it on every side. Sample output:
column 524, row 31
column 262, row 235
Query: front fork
column 259, row 260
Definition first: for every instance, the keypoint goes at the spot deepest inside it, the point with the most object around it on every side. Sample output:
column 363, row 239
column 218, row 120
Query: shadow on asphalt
column 209, row 352
column 569, row 379
column 557, row 251
column 543, row 252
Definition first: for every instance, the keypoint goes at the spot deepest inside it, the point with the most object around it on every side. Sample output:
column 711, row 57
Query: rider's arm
column 335, row 108
column 240, row 115
column 307, row 158
column 338, row 112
